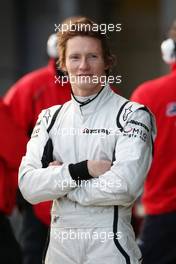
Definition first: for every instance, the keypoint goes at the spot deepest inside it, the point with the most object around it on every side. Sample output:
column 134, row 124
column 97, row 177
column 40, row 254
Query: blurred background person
column 158, row 234
column 26, row 98
column 10, row 157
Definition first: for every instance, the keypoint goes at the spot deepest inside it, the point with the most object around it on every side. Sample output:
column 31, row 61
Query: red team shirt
column 26, row 99
column 159, row 96
column 10, row 157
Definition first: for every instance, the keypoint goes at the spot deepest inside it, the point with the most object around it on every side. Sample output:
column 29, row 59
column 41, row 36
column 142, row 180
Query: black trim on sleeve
column 144, row 108
column 54, row 119
column 47, row 156
column 79, row 171
column 118, row 116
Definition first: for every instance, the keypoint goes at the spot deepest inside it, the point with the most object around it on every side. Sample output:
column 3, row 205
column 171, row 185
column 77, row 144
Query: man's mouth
column 85, row 74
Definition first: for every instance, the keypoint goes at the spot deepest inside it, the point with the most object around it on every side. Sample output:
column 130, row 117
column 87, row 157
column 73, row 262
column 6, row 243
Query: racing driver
column 90, row 156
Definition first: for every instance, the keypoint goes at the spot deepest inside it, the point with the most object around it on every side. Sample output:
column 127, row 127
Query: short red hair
column 82, row 26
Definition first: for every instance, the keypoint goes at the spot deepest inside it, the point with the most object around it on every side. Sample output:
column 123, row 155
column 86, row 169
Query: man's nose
column 84, row 65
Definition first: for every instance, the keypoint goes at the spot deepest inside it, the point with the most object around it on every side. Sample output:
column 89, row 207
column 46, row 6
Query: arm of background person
column 20, row 100
column 13, row 139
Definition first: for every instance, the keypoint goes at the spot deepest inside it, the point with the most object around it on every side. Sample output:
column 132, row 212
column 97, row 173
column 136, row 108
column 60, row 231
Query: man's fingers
column 55, row 163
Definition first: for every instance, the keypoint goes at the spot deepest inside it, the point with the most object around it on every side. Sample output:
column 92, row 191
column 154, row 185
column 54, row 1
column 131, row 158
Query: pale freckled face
column 84, row 57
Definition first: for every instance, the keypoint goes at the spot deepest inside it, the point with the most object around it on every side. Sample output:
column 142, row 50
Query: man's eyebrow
column 74, row 54
column 93, row 52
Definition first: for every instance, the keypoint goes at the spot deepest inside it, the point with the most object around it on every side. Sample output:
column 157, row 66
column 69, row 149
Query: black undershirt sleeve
column 79, row 171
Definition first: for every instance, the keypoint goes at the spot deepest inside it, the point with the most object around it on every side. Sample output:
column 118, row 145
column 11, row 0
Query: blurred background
column 26, row 25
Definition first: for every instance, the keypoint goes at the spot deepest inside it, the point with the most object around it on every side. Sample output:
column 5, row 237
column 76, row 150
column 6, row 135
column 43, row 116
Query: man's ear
column 64, row 68
column 107, row 66
column 111, row 61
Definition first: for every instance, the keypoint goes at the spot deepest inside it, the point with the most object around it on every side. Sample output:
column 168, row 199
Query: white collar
column 93, row 102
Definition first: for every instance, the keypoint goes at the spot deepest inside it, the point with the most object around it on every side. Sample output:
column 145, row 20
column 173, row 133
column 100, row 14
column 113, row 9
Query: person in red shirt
column 10, row 157
column 26, row 98
column 158, row 235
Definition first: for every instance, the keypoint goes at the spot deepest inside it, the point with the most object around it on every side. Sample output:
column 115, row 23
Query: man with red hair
column 100, row 151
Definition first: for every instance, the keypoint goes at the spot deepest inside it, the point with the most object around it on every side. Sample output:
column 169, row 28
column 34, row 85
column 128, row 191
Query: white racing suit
column 90, row 220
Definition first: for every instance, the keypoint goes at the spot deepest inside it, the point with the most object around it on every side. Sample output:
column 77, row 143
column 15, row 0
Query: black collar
column 88, row 100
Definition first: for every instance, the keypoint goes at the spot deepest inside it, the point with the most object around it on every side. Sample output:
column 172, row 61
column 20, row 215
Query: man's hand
column 98, row 167
column 55, row 163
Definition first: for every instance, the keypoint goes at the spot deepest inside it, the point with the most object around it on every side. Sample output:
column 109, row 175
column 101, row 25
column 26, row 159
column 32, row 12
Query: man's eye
column 93, row 56
column 75, row 57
